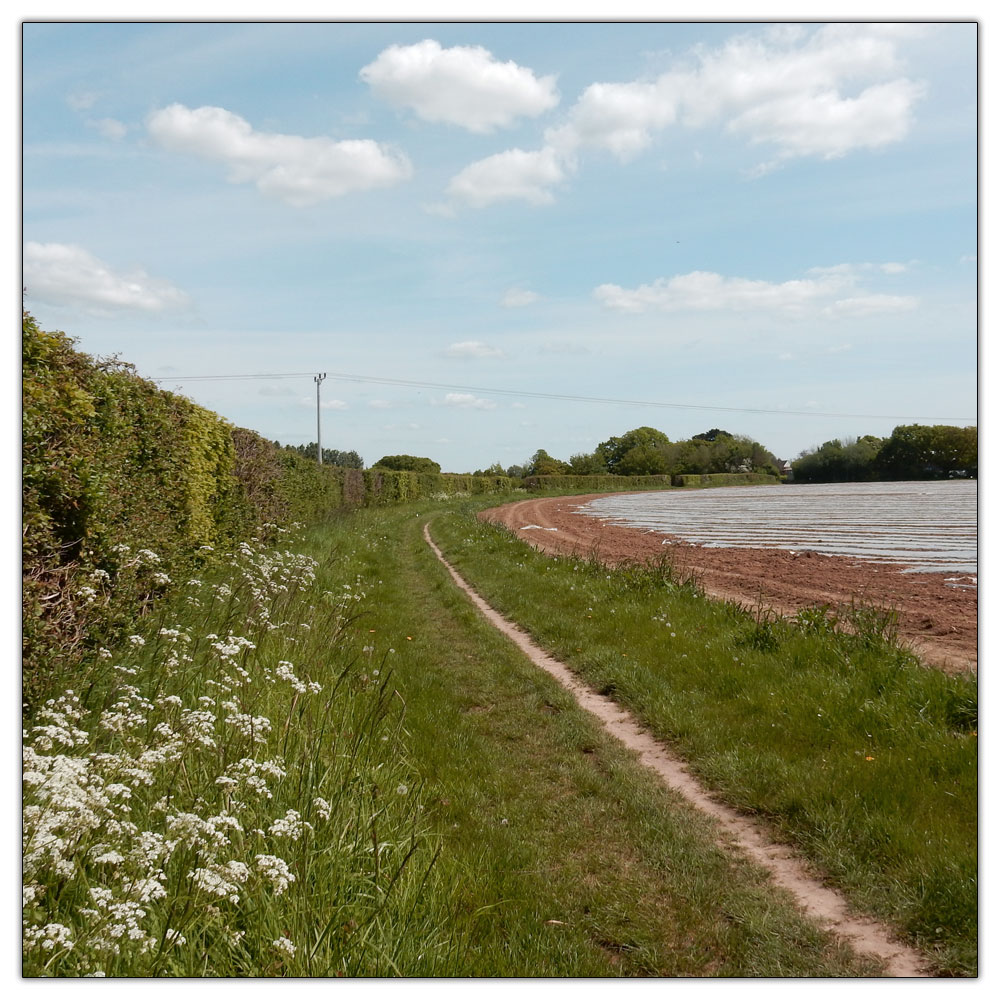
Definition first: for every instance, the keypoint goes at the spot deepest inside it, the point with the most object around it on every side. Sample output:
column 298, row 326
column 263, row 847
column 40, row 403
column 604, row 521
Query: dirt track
column 819, row 901
column 937, row 621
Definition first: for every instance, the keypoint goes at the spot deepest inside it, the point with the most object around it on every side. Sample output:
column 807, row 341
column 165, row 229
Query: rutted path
column 821, row 903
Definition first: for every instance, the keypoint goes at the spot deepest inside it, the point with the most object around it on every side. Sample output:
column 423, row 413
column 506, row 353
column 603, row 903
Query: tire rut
column 819, row 902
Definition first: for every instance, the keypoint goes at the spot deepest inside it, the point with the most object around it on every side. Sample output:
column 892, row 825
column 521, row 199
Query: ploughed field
column 907, row 546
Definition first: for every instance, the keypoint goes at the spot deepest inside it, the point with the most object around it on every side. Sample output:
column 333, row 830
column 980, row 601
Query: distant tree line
column 646, row 451
column 912, row 451
column 331, row 456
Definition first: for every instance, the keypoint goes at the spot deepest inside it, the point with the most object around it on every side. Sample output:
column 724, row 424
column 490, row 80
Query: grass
column 853, row 751
column 560, row 855
column 466, row 818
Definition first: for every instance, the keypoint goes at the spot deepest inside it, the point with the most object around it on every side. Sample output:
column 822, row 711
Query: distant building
column 785, row 468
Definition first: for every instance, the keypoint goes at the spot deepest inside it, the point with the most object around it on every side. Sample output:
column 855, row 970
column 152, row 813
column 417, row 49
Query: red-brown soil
column 939, row 622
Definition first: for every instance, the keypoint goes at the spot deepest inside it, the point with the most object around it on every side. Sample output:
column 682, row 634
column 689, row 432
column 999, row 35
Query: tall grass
column 228, row 794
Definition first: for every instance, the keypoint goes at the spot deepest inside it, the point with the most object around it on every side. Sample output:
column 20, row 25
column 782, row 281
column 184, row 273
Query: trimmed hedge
column 726, row 479
column 598, row 484
column 126, row 486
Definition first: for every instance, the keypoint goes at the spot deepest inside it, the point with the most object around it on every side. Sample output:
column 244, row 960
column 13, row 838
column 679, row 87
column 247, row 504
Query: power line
column 566, row 397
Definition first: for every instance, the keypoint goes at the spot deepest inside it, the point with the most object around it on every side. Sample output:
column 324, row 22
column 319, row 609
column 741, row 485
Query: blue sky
column 753, row 217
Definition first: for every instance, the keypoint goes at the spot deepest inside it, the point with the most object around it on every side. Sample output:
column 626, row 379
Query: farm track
column 818, row 901
column 939, row 622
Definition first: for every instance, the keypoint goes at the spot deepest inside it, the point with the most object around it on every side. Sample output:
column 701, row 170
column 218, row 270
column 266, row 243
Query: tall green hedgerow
column 125, row 486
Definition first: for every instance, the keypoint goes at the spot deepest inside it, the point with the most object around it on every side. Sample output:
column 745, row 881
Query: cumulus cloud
column 514, row 175
column 467, row 401
column 807, row 93
column 473, row 349
column 462, row 85
column 295, row 169
column 832, row 291
column 514, row 298
column 66, row 274
column 620, row 117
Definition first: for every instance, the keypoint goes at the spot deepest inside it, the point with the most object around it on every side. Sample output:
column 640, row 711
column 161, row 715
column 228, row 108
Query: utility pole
column 319, row 440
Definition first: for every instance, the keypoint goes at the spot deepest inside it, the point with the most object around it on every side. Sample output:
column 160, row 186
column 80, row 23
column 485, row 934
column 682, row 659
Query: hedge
column 597, row 484
column 726, row 479
column 127, row 486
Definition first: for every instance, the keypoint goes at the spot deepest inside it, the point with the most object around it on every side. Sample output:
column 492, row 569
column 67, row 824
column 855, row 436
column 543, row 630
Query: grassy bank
column 850, row 748
column 327, row 764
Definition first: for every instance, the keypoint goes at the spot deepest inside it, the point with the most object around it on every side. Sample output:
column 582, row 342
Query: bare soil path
column 939, row 622
column 821, row 903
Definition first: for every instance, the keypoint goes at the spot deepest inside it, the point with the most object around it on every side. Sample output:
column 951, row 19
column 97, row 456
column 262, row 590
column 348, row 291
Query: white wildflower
column 222, row 880
column 285, row 945
column 291, row 825
column 48, row 938
column 275, row 870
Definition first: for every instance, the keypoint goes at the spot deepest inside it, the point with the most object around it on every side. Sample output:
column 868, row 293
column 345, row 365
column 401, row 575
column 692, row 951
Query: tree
column 586, row 464
column 407, row 463
column 543, row 464
column 331, row 456
column 613, row 451
column 496, row 469
column 918, row 451
column 710, row 435
column 644, row 459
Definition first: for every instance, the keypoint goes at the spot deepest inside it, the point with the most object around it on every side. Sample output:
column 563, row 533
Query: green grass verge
column 465, row 818
column 560, row 855
column 856, row 753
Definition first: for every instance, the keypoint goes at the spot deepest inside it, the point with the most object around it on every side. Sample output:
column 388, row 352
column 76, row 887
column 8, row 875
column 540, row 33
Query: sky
column 500, row 237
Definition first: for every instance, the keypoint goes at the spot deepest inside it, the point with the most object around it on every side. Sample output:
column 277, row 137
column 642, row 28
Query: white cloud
column 65, row 274
column 516, row 297
column 832, row 291
column 827, row 125
column 463, row 85
column 707, row 291
column 380, row 404
column 821, row 93
column 870, row 305
column 467, row 401
column 297, row 170
column 514, row 175
column 473, row 349
column 892, row 267
column 620, row 117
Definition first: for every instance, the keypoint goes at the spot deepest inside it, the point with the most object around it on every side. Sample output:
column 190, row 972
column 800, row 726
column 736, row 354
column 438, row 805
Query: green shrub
column 597, row 484
column 725, row 479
